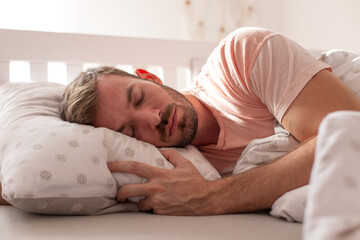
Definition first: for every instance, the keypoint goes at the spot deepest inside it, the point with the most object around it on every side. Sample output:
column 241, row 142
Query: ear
column 149, row 76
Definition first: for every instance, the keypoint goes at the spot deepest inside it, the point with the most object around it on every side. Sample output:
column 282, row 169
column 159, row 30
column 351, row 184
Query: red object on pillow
column 147, row 75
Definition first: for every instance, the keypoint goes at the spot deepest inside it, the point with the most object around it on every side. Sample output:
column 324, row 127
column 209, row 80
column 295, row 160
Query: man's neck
column 208, row 127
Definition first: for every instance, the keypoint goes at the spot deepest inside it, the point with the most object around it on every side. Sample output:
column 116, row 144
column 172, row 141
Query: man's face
column 146, row 111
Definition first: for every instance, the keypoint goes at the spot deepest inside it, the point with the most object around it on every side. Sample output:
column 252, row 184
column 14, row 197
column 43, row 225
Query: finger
column 145, row 205
column 174, row 157
column 131, row 190
column 168, row 152
column 137, row 168
column 172, row 210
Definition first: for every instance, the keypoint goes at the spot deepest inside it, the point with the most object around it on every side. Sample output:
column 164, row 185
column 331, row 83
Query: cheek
column 161, row 100
column 148, row 136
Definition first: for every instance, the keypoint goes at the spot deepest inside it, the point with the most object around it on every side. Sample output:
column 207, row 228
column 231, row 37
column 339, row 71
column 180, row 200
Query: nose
column 148, row 117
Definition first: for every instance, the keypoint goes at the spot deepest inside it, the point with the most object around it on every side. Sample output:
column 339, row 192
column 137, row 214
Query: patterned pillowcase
column 55, row 167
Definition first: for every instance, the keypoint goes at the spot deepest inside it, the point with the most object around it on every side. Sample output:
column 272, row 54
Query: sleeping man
column 251, row 79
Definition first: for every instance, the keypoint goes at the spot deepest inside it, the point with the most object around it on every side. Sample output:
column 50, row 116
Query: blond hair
column 80, row 99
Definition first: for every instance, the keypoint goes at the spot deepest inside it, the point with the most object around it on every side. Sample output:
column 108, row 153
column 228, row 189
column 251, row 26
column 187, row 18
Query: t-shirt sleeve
column 280, row 72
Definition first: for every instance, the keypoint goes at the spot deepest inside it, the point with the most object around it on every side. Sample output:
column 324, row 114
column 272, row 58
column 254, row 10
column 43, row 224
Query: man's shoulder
column 252, row 31
column 230, row 62
column 249, row 37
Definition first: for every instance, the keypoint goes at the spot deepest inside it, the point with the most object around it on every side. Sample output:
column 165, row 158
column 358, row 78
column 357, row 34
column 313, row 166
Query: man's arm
column 184, row 192
column 323, row 94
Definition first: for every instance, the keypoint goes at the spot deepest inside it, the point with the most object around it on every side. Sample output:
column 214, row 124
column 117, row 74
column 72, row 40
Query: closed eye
column 140, row 99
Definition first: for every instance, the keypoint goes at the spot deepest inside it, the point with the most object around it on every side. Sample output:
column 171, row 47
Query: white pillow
column 55, row 167
column 346, row 66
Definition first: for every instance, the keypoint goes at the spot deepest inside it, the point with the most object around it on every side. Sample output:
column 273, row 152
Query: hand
column 181, row 191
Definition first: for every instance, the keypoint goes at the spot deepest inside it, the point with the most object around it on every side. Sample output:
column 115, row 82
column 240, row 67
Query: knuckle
column 162, row 174
column 124, row 191
column 159, row 211
column 134, row 166
column 142, row 206
column 156, row 188
column 157, row 203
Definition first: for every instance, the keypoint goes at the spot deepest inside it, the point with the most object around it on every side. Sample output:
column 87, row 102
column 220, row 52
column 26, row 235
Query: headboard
column 173, row 60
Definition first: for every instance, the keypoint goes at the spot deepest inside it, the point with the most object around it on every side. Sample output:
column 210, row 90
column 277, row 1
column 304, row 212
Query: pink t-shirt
column 248, row 81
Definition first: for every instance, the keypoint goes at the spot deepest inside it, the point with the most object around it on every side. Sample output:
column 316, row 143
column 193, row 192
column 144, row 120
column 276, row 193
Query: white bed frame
column 40, row 48
column 174, row 60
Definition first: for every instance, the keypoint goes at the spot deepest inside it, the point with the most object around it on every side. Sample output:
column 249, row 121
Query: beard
column 187, row 125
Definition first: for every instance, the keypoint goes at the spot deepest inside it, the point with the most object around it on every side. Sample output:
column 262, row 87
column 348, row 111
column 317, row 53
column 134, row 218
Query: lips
column 173, row 123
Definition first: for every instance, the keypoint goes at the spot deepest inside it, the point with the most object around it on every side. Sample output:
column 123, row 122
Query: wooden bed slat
column 196, row 65
column 38, row 72
column 184, row 78
column 4, row 71
column 73, row 70
column 170, row 77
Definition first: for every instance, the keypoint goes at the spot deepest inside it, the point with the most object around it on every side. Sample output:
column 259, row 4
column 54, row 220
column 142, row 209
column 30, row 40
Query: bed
column 177, row 60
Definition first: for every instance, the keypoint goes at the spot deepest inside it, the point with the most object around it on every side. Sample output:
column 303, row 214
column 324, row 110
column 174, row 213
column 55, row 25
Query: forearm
column 259, row 188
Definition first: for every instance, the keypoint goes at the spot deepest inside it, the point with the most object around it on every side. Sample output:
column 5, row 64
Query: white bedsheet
column 20, row 225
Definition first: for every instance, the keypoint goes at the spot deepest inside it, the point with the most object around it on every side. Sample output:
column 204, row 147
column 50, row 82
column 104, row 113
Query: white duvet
column 333, row 206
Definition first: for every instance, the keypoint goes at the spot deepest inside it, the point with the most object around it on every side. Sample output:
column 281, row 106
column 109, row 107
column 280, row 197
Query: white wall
column 168, row 19
column 315, row 24
column 136, row 18
column 42, row 15
column 323, row 24
column 269, row 14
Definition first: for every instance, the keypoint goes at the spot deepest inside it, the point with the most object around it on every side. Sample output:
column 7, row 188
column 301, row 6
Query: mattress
column 17, row 224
